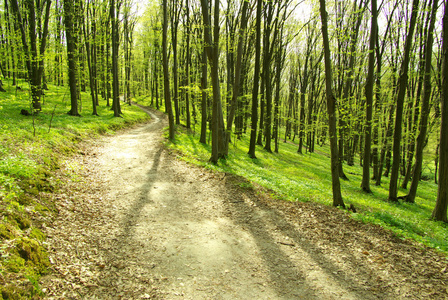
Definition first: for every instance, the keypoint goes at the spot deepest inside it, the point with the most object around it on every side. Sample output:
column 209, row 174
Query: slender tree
column 114, row 21
column 331, row 110
column 218, row 132
column 69, row 13
column 166, row 76
column 254, row 115
column 440, row 210
column 423, row 126
column 402, row 84
column 365, row 185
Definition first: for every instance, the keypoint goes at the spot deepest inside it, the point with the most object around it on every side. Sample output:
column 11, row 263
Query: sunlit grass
column 306, row 177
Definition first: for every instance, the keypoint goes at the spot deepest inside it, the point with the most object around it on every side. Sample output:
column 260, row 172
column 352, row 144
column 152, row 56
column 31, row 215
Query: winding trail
column 136, row 223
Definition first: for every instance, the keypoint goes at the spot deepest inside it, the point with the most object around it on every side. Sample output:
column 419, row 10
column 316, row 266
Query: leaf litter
column 135, row 223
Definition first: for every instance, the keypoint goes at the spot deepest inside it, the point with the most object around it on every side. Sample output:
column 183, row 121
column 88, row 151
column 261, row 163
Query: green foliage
column 31, row 149
column 306, row 177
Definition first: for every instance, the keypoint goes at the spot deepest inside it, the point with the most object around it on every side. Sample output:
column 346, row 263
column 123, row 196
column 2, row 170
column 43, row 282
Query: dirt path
column 136, row 223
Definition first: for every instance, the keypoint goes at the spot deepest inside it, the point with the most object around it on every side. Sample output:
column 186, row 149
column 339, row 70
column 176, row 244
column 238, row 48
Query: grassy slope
column 28, row 157
column 307, row 177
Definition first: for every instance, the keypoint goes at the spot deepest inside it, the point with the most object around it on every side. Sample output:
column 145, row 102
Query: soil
column 134, row 222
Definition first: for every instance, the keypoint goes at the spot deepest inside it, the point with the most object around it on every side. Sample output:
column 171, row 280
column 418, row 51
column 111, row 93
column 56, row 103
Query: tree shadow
column 260, row 221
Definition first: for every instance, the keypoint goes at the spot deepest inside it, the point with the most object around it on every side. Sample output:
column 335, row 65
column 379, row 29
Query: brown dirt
column 135, row 223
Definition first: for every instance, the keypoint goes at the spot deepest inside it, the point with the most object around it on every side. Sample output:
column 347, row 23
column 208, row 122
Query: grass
column 306, row 177
column 31, row 149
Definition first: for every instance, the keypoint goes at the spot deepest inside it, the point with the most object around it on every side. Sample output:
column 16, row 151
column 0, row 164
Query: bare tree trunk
column 175, row 11
column 403, row 82
column 254, row 115
column 69, row 11
column 203, row 138
column 114, row 11
column 218, row 132
column 166, row 75
column 237, row 83
column 331, row 109
column 425, row 108
column 365, row 184
column 440, row 210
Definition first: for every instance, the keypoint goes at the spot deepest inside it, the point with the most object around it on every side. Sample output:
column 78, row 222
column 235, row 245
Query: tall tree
column 71, row 35
column 331, row 110
column 166, row 76
column 90, row 63
column 254, row 115
column 402, row 84
column 114, row 21
column 365, row 185
column 218, row 132
column 203, row 138
column 440, row 210
column 175, row 14
column 237, row 82
column 423, row 126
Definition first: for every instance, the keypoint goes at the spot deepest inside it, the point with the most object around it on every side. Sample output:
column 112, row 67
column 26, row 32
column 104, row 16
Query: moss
column 18, row 219
column 37, row 234
column 41, row 208
column 26, row 290
column 15, row 263
column 34, row 255
column 25, row 199
column 6, row 232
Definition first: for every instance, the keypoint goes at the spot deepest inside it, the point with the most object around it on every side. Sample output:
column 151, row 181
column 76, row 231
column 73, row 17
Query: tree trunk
column 427, row 87
column 89, row 64
column 166, row 75
column 203, row 138
column 440, row 210
column 331, row 109
column 218, row 132
column 237, row 83
column 69, row 11
column 187, row 67
column 175, row 11
column 254, row 115
column 115, row 44
column 269, row 12
column 403, row 82
column 365, row 184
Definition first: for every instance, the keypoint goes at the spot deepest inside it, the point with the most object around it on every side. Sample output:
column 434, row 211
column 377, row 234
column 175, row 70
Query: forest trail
column 136, row 223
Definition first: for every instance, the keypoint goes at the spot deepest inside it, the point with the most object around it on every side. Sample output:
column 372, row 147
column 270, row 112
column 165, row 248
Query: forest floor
column 134, row 222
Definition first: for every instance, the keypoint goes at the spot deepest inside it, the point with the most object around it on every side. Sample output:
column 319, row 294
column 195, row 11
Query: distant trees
column 374, row 91
column 32, row 20
column 372, row 100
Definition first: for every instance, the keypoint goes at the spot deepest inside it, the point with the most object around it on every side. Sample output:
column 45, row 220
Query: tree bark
column 69, row 11
column 203, row 138
column 365, row 184
column 114, row 11
column 403, row 82
column 427, row 87
column 237, row 82
column 331, row 110
column 254, row 115
column 440, row 210
column 166, row 75
column 218, row 132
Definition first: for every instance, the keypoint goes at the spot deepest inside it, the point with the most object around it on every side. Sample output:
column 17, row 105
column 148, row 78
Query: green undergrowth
column 32, row 148
column 307, row 177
